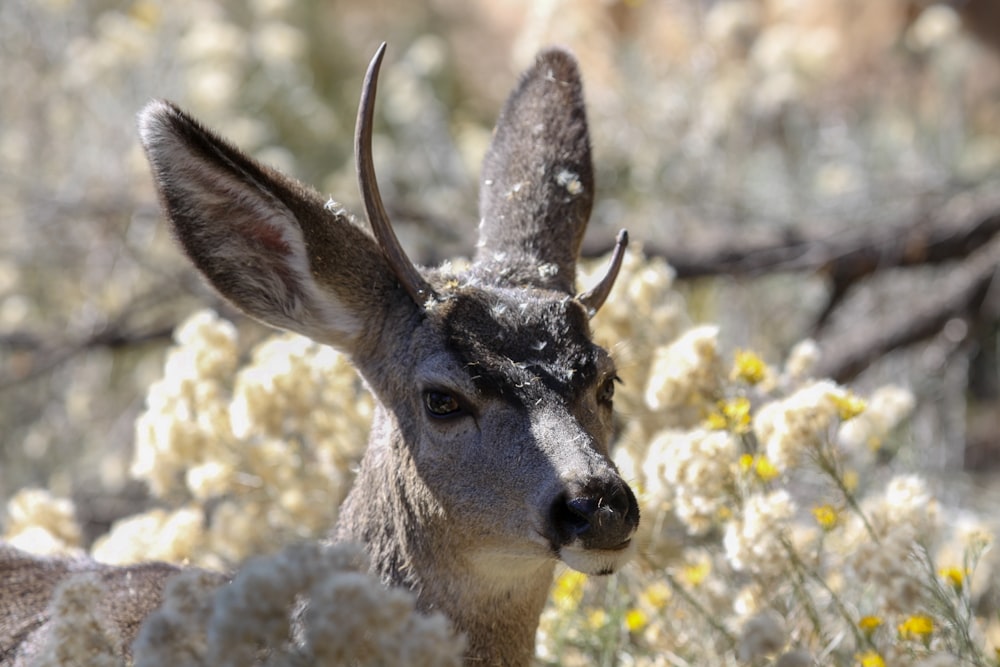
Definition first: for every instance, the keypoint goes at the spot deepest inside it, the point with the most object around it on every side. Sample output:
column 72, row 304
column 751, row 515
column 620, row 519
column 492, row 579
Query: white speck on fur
column 547, row 269
column 570, row 181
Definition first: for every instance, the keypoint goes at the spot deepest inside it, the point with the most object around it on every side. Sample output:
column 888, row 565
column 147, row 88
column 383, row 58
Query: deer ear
column 264, row 241
column 537, row 185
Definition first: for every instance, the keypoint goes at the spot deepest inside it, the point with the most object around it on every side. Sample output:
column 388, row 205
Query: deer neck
column 494, row 600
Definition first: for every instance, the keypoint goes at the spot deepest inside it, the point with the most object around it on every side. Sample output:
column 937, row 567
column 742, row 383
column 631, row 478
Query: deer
column 488, row 461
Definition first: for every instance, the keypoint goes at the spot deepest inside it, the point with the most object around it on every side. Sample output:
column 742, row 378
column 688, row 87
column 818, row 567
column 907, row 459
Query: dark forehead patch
column 514, row 342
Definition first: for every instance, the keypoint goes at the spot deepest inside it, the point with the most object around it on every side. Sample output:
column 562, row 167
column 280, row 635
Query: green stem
column 798, row 585
column 955, row 607
column 859, row 637
column 829, row 466
column 704, row 613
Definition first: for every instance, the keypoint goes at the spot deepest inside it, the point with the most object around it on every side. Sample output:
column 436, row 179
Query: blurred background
column 811, row 168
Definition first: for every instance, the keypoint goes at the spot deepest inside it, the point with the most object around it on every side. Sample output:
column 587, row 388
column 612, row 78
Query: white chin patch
column 595, row 561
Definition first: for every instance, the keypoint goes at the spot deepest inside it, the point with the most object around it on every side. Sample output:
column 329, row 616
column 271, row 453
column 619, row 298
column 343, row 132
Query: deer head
column 488, row 460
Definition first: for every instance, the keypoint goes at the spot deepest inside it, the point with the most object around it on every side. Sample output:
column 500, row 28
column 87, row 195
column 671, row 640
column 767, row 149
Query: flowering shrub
column 351, row 619
column 251, row 459
column 771, row 534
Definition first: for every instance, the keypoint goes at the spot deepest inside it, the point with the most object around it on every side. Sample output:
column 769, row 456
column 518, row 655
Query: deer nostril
column 571, row 517
column 594, row 511
column 601, row 513
column 584, row 507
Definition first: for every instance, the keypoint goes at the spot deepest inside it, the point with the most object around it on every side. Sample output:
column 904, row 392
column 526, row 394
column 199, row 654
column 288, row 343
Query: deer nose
column 602, row 514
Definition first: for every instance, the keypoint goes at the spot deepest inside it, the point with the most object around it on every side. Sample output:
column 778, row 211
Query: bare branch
column 848, row 355
column 958, row 229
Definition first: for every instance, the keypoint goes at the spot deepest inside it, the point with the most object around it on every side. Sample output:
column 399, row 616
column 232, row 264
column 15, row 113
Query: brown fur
column 129, row 594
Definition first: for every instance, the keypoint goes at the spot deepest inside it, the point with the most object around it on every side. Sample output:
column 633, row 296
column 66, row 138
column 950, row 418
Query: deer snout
column 602, row 513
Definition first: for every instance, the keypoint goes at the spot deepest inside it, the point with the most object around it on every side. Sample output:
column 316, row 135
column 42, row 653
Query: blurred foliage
column 709, row 119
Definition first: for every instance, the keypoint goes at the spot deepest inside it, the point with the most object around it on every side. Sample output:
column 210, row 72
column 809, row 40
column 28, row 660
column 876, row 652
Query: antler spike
column 407, row 274
column 595, row 298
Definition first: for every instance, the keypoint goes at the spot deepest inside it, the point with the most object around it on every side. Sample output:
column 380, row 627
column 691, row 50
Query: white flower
column 155, row 535
column 887, row 407
column 695, row 468
column 350, row 618
column 802, row 360
column 687, row 373
column 790, row 427
column 276, row 439
column 79, row 633
column 753, row 541
column 41, row 523
column 904, row 518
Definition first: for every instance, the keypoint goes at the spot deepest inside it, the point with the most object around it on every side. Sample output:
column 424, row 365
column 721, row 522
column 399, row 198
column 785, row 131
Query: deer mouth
column 597, row 562
column 592, row 525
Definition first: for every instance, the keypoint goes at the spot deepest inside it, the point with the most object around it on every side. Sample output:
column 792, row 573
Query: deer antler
column 595, row 298
column 407, row 274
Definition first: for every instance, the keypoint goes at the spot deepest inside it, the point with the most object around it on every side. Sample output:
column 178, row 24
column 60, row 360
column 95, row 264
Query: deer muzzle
column 592, row 517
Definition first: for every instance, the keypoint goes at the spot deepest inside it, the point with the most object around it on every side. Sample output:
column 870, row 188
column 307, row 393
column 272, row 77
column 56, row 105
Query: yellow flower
column 760, row 465
column 635, row 620
column 732, row 415
column 568, row 590
column 826, row 516
column 870, row 659
column 597, row 619
column 955, row 576
column 748, row 367
column 657, row 595
column 849, row 406
column 716, row 421
column 765, row 469
column 869, row 624
column 918, row 626
column 695, row 573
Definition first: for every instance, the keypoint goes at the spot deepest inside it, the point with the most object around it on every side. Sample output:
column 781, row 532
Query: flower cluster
column 880, row 541
column 40, row 523
column 777, row 536
column 252, row 457
column 790, row 428
column 350, row 618
column 755, row 541
column 78, row 633
column 686, row 374
column 693, row 471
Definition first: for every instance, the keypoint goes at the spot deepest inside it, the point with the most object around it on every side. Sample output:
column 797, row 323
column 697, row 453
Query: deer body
column 488, row 458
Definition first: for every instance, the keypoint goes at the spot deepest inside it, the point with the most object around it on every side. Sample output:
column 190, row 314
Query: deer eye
column 441, row 404
column 606, row 393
